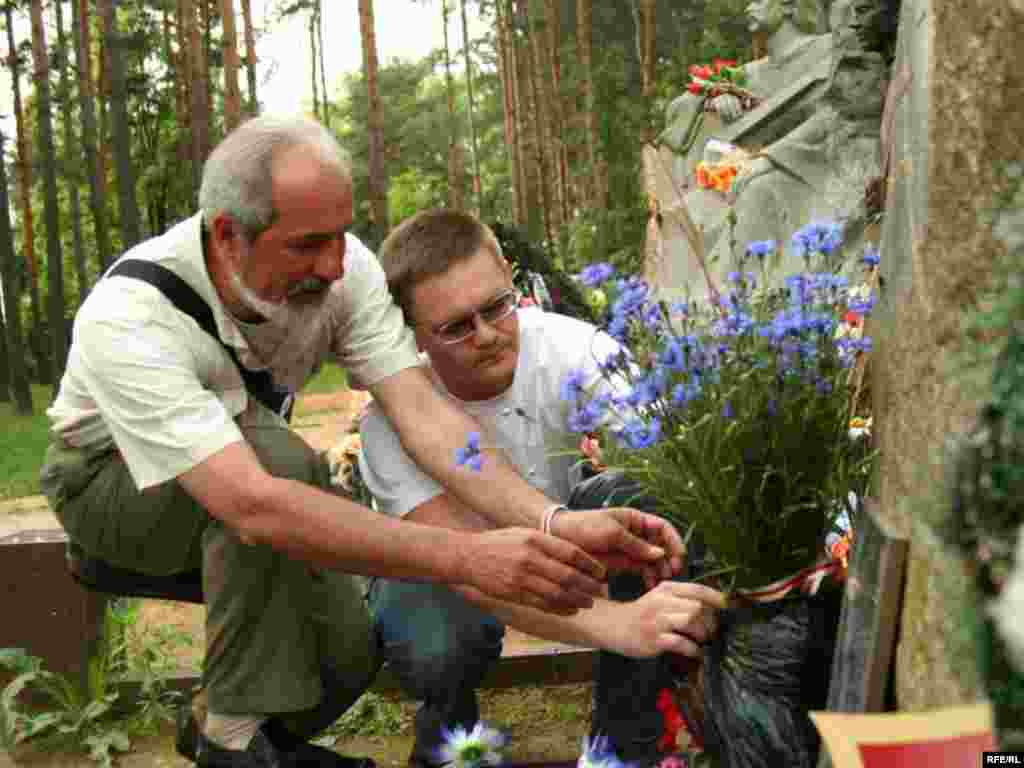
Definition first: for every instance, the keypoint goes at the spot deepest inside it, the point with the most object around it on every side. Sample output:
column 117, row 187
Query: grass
column 330, row 378
column 23, row 442
column 23, row 439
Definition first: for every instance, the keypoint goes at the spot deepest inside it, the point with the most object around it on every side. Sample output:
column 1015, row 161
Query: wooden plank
column 518, row 670
column 869, row 618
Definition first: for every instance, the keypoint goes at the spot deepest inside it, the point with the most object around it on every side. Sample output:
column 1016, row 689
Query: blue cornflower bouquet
column 734, row 414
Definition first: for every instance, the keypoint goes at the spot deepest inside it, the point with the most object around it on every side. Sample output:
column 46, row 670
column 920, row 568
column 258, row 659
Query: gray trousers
column 282, row 638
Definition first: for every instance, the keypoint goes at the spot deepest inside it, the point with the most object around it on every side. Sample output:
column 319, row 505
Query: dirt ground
column 541, row 723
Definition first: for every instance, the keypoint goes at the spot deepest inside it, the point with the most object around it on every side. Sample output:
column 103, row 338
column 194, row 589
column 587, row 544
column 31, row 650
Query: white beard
column 286, row 342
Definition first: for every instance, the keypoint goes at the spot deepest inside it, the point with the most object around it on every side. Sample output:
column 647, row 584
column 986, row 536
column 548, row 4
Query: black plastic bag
column 766, row 668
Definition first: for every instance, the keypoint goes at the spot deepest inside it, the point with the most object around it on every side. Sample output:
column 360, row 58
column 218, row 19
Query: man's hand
column 525, row 566
column 728, row 107
column 674, row 617
column 625, row 539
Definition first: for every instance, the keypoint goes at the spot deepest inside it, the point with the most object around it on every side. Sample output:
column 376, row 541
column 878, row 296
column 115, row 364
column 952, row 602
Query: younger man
column 504, row 366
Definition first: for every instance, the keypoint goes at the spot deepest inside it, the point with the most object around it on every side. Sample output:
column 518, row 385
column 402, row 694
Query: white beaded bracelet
column 549, row 516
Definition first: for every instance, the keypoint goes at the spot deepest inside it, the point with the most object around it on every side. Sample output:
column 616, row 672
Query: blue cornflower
column 618, row 328
column 679, row 395
column 773, row 407
column 469, row 456
column 673, row 356
column 652, row 317
column 475, row 748
column 677, row 308
column 871, row 257
column 615, row 361
column 590, row 416
column 761, row 248
column 632, row 297
column 638, row 434
column 817, row 237
column 598, row 753
column 727, row 411
column 596, row 274
column 572, row 385
column 648, row 389
column 823, row 386
column 734, row 324
column 861, row 306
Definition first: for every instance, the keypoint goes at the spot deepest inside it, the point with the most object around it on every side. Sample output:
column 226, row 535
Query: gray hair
column 237, row 176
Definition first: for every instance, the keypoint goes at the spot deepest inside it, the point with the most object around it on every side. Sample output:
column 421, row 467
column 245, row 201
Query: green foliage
column 63, row 716
column 23, row 443
column 371, row 715
column 330, row 378
column 735, row 418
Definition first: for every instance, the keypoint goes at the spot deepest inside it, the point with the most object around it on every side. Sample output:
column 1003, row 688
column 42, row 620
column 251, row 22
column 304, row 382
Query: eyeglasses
column 496, row 310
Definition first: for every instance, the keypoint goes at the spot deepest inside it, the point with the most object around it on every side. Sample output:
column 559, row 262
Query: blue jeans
column 440, row 646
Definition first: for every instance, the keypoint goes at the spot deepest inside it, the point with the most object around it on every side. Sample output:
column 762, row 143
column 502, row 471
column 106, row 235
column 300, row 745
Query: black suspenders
column 258, row 384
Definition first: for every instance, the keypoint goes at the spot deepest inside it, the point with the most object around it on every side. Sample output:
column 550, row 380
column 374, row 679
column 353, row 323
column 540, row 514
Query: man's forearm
column 431, row 429
column 592, row 628
column 337, row 534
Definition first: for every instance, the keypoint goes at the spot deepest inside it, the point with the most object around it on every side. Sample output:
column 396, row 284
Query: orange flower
column 841, row 550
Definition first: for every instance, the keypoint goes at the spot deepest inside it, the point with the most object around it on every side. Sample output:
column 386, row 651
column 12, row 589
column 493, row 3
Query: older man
column 167, row 454
column 505, row 366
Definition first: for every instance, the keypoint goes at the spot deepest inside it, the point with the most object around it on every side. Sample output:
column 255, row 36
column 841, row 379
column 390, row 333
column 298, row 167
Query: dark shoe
column 274, row 747
column 191, row 713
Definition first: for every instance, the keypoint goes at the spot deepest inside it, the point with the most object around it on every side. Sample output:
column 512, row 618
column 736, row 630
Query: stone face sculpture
column 812, row 141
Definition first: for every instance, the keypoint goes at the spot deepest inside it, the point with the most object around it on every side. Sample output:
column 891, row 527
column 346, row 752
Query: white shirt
column 144, row 377
column 528, row 421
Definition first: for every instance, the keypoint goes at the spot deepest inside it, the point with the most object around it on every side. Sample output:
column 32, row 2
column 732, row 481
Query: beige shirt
column 144, row 377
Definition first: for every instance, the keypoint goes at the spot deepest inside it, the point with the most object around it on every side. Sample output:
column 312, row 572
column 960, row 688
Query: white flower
column 598, row 754
column 1009, row 607
column 471, row 749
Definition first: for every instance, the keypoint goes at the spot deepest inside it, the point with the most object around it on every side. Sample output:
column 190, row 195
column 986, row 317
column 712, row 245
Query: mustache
column 310, row 284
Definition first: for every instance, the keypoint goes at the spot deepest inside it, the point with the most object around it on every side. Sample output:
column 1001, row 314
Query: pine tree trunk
column 323, row 69
column 182, row 65
column 313, row 64
column 598, row 170
column 558, row 130
column 250, row 56
column 541, row 126
column 229, row 42
column 471, row 113
column 199, row 105
column 51, row 212
column 104, row 141
column 87, row 107
column 375, row 119
column 28, row 238
column 128, row 205
column 647, row 64
column 506, row 73
column 70, row 169
column 5, row 371
column 456, row 188
column 529, row 157
column 17, row 374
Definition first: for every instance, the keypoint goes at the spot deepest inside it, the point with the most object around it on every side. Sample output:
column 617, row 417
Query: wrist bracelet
column 549, row 516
